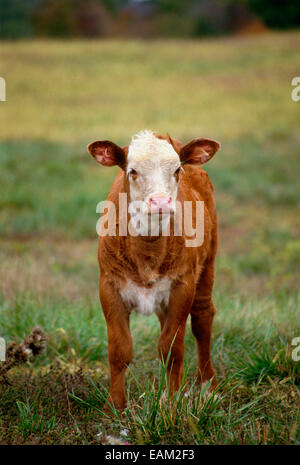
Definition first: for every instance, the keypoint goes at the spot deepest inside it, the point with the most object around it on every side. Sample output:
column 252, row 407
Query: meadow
column 61, row 95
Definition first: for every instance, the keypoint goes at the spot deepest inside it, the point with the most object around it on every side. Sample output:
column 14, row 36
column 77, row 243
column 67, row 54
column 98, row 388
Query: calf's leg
column 173, row 331
column 202, row 314
column 120, row 348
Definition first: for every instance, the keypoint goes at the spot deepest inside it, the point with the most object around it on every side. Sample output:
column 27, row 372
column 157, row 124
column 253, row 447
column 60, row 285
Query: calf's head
column 152, row 166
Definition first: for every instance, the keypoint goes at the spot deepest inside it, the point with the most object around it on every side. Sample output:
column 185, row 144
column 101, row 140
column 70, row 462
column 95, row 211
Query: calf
column 159, row 272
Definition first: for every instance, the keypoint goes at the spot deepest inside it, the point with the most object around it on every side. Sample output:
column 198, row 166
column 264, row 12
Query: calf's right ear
column 106, row 153
column 198, row 151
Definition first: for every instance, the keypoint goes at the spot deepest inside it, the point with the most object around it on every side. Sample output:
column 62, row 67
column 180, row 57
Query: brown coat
column 145, row 260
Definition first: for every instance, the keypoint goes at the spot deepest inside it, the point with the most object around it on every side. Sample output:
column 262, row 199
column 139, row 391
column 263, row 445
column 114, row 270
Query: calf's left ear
column 198, row 151
column 106, row 153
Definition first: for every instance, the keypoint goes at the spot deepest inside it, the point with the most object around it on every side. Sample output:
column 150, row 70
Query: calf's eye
column 176, row 174
column 133, row 173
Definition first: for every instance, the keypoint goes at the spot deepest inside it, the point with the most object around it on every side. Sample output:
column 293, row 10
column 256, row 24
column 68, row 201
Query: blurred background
column 143, row 18
column 77, row 71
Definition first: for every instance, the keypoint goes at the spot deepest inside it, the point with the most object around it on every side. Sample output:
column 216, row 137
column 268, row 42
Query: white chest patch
column 144, row 300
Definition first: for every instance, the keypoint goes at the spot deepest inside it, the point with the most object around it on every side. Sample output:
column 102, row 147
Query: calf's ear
column 198, row 151
column 106, row 153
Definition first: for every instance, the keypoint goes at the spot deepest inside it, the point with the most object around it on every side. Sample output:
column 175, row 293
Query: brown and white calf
column 158, row 273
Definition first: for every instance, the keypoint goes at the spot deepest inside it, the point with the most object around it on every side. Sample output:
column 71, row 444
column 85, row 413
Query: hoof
column 208, row 389
column 113, row 404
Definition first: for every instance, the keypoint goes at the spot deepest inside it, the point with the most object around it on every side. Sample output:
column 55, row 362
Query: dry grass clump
column 16, row 354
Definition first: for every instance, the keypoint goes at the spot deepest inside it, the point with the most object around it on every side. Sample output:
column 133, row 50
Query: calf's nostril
column 160, row 200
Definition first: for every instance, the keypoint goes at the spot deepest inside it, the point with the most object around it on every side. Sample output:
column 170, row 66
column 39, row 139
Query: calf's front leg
column 120, row 348
column 202, row 314
column 173, row 330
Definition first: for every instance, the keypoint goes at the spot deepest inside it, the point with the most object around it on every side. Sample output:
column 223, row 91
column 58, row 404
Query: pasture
column 61, row 95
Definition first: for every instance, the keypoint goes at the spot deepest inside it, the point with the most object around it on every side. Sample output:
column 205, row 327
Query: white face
column 152, row 170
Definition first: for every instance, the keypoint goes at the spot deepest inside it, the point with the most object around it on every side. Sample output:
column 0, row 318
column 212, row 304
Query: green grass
column 61, row 96
column 259, row 381
column 30, row 422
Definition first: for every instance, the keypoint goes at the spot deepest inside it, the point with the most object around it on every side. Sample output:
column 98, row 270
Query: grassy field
column 61, row 96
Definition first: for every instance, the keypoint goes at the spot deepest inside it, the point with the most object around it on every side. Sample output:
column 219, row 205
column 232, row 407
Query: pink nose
column 160, row 204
